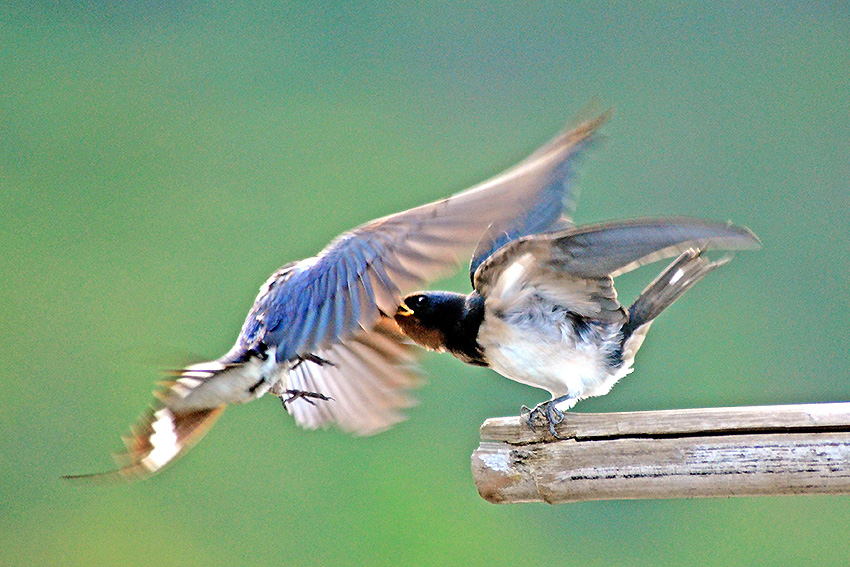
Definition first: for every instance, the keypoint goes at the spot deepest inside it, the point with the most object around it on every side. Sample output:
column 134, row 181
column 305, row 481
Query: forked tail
column 680, row 276
column 159, row 438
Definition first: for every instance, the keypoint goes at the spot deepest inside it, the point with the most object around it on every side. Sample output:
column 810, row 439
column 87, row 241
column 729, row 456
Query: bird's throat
column 450, row 324
column 461, row 338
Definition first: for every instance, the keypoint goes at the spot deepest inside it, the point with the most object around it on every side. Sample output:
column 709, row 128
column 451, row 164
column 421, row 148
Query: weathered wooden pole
column 745, row 451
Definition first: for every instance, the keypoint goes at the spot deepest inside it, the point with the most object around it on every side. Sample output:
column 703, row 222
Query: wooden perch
column 799, row 449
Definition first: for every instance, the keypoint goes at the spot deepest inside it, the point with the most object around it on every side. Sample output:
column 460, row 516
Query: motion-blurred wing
column 368, row 378
column 315, row 303
column 553, row 206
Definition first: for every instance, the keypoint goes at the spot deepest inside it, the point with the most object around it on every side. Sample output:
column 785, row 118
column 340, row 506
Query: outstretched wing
column 553, row 205
column 365, row 272
column 575, row 267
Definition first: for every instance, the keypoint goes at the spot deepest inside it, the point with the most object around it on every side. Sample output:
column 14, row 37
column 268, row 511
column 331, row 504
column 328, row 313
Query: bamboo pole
column 745, row 451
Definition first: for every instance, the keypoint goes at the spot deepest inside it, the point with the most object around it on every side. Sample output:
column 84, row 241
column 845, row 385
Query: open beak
column 404, row 310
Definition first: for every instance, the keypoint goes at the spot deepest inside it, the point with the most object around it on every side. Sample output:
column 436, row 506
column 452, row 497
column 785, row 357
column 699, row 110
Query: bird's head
column 427, row 317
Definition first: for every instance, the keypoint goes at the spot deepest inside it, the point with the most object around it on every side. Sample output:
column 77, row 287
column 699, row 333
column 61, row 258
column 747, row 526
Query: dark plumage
column 445, row 321
column 320, row 334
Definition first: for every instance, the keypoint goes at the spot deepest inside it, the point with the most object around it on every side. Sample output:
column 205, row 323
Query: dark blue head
column 444, row 321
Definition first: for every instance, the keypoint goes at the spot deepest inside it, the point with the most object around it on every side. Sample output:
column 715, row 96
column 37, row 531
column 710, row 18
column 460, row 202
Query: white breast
column 536, row 346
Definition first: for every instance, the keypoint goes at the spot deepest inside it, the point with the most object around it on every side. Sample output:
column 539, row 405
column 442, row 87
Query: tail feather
column 186, row 407
column 680, row 276
column 161, row 436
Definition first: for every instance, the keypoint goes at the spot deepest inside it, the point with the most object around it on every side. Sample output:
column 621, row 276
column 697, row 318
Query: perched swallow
column 544, row 311
column 321, row 335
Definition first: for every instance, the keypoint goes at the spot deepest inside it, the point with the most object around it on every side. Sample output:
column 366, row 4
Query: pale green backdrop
column 158, row 160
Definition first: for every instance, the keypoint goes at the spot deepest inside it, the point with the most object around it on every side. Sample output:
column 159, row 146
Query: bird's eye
column 418, row 301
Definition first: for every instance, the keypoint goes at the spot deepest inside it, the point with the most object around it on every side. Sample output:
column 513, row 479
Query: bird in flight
column 321, row 334
column 544, row 311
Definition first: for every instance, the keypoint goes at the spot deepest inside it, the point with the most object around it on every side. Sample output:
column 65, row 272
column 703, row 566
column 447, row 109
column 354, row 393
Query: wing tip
column 748, row 239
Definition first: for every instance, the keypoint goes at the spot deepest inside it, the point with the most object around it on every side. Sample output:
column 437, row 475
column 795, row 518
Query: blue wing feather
column 326, row 299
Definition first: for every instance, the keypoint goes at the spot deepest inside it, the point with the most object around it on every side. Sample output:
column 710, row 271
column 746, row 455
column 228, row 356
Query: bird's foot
column 529, row 415
column 314, row 358
column 543, row 414
column 292, row 395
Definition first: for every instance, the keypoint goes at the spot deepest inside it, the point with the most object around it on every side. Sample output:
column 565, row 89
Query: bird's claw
column 545, row 413
column 310, row 357
column 527, row 414
column 292, row 395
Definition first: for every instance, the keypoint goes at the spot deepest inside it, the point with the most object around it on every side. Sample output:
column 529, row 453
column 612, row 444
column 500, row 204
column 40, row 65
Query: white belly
column 546, row 353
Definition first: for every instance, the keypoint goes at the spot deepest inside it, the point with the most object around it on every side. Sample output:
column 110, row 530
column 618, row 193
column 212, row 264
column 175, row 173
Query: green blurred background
column 158, row 160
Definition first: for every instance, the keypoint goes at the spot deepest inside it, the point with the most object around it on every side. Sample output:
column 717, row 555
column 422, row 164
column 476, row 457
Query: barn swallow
column 321, row 335
column 544, row 311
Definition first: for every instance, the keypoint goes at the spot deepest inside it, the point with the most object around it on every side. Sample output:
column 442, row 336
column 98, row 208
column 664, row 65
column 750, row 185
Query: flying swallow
column 321, row 334
column 544, row 311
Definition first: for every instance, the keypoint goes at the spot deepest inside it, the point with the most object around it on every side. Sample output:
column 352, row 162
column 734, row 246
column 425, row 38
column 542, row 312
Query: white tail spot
column 163, row 440
column 677, row 276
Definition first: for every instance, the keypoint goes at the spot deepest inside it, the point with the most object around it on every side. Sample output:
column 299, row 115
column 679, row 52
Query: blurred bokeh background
column 158, row 160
